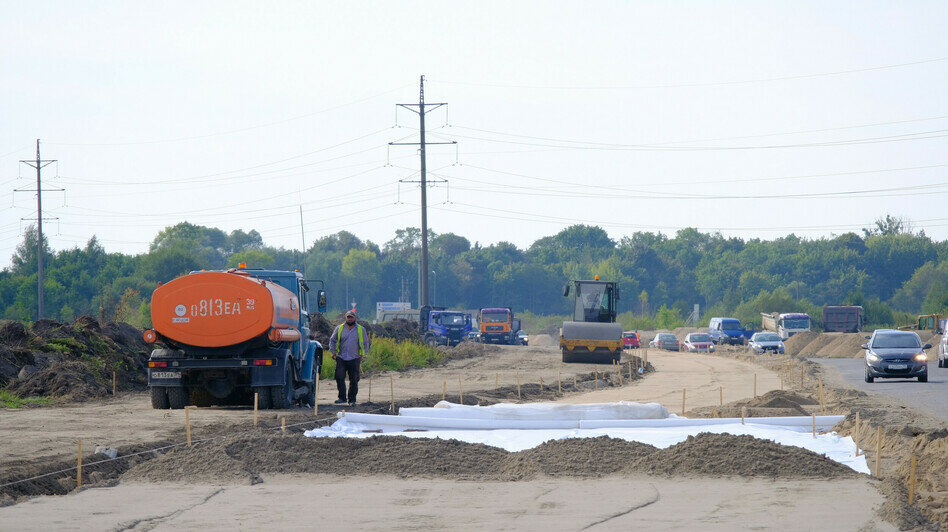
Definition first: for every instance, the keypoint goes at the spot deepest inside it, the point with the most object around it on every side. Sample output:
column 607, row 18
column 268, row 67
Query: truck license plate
column 166, row 374
column 898, row 366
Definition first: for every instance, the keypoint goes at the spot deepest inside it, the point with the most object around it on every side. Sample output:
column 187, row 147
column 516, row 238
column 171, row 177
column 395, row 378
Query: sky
column 752, row 119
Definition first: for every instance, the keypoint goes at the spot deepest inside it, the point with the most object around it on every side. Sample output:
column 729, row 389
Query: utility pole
column 422, row 108
column 39, row 164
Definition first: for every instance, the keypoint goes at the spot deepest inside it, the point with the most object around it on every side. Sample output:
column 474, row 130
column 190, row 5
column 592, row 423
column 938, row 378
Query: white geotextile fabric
column 541, row 411
column 835, row 447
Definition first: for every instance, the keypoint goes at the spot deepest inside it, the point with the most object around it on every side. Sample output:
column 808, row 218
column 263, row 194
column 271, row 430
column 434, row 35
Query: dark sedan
column 892, row 354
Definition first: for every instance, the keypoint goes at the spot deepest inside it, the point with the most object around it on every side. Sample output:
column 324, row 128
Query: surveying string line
column 691, row 84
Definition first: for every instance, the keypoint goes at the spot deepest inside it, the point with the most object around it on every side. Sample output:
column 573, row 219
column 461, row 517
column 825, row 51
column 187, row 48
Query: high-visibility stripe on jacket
column 361, row 331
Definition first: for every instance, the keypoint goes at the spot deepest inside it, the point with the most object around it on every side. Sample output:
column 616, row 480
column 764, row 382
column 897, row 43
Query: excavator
column 593, row 336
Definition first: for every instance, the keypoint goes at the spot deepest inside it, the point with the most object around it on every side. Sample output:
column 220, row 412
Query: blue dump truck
column 223, row 336
column 729, row 331
column 439, row 326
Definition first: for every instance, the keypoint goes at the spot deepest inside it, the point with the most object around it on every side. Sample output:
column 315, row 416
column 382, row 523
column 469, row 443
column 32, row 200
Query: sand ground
column 305, row 502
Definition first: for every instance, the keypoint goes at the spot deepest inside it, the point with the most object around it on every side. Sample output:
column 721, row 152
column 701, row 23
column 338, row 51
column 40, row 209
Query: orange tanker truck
column 224, row 335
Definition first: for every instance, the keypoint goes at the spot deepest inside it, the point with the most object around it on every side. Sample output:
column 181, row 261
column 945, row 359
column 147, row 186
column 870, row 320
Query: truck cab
column 440, row 326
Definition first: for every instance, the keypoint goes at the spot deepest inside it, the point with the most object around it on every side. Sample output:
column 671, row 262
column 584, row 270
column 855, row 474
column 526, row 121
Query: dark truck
column 227, row 335
column 843, row 319
column 440, row 326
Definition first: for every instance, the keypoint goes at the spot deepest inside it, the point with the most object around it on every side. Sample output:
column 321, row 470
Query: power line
column 249, row 128
column 695, row 84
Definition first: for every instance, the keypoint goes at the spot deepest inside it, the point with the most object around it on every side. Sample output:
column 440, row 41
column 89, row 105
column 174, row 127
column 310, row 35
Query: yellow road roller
column 593, row 336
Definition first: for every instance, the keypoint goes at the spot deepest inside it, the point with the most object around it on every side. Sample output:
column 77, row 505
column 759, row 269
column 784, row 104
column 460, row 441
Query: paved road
column 931, row 396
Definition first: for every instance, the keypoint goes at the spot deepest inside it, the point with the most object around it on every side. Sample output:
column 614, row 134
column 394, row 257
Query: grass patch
column 8, row 400
column 387, row 354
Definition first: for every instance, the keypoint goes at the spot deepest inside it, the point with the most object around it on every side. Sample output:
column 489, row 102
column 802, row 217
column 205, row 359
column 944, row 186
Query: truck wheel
column 178, row 397
column 263, row 397
column 431, row 341
column 282, row 396
column 159, row 398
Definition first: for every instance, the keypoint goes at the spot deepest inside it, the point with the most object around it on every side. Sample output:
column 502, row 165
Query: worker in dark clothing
column 348, row 345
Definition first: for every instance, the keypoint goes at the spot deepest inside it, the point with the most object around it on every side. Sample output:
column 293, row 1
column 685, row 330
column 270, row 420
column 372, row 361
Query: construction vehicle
column 498, row 326
column 785, row 325
column 228, row 336
column 593, row 335
column 927, row 322
column 843, row 318
column 440, row 326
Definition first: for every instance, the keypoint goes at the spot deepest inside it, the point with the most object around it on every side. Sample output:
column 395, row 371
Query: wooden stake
column 620, row 376
column 518, row 385
column 597, row 378
column 912, row 481
column 256, row 398
column 391, row 384
column 316, row 402
column 755, row 385
column 113, row 384
column 574, row 382
column 814, row 425
column 742, row 415
column 79, row 467
column 370, row 389
column 721, row 393
column 282, row 424
column 630, row 370
column 541, row 384
column 856, row 429
column 444, row 389
column 559, row 383
column 878, row 449
column 187, row 422
column 460, row 390
column 822, row 406
column 682, row 401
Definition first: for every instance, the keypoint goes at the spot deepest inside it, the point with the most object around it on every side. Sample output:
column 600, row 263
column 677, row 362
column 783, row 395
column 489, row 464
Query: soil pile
column 746, row 456
column 772, row 403
column 245, row 458
column 798, row 342
column 581, row 457
column 320, row 329
column 544, row 340
column 843, row 345
column 71, row 360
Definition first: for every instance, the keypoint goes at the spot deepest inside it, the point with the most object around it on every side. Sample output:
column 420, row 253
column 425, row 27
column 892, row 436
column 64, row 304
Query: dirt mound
column 779, row 399
column 208, row 462
column 681, row 332
column 73, row 360
column 843, row 345
column 895, row 508
column 729, row 455
column 580, row 457
column 798, row 342
column 552, row 329
column 320, row 329
column 544, row 340
column 69, row 379
column 467, row 350
column 13, row 333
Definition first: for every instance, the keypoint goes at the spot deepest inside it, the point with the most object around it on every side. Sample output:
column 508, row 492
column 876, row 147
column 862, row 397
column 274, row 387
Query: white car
column 762, row 342
column 943, row 351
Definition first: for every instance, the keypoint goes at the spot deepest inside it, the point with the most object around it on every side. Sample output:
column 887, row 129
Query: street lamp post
column 434, row 289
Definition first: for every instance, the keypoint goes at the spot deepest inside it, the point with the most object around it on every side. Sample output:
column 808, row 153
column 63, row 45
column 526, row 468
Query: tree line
column 889, row 269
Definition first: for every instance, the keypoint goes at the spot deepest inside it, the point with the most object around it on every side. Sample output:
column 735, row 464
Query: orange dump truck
column 225, row 335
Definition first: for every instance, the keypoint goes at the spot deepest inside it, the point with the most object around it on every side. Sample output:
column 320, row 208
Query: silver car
column 762, row 342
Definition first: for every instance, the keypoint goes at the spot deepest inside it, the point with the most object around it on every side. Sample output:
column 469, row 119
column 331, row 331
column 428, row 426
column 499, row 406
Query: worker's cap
column 351, row 313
